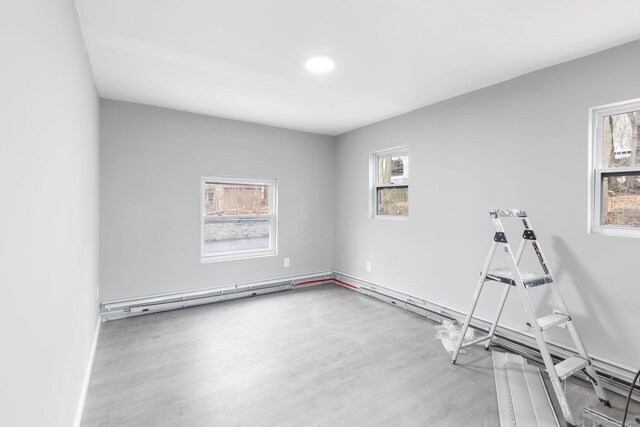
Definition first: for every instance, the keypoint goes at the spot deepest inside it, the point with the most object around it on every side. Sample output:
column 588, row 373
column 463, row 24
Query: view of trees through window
column 236, row 199
column 237, row 218
column 621, row 192
column 392, row 192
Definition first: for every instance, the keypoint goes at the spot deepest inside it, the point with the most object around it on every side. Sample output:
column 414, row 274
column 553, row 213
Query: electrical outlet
column 562, row 325
column 368, row 265
column 287, row 262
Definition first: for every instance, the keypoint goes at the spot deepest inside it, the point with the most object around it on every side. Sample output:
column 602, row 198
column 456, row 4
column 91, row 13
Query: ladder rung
column 475, row 341
column 552, row 320
column 570, row 366
column 530, row 280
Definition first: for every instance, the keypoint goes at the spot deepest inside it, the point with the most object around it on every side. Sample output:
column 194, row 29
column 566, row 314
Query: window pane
column 621, row 200
column 393, row 201
column 236, row 199
column 393, row 169
column 620, row 140
column 236, row 235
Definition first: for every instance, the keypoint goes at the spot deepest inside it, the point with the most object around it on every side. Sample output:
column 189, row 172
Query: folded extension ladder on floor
column 523, row 400
column 523, row 281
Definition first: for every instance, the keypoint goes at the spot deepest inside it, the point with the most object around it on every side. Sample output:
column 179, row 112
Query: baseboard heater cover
column 614, row 377
column 139, row 306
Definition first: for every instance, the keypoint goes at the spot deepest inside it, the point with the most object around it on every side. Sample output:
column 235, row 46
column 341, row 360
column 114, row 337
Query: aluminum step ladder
column 523, row 281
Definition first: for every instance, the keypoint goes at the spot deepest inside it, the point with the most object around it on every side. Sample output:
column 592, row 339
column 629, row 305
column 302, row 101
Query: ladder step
column 502, row 213
column 552, row 320
column 570, row 366
column 530, row 280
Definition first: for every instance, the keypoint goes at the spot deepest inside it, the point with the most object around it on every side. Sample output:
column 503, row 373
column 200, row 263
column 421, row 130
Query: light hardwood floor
column 323, row 355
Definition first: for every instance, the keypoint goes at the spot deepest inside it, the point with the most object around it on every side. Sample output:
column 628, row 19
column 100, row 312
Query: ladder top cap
column 501, row 213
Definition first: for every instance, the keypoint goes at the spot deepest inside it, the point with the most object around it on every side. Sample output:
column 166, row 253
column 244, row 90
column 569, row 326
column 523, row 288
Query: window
column 238, row 218
column 615, row 159
column 390, row 192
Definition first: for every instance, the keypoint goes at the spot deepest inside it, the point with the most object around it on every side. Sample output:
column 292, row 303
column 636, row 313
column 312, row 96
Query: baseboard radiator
column 138, row 306
column 614, row 377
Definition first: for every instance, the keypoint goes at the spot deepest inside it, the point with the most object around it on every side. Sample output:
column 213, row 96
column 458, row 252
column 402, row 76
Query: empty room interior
column 320, row 213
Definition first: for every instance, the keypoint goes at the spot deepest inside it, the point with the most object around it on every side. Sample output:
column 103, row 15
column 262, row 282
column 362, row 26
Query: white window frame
column 373, row 182
column 596, row 171
column 273, row 210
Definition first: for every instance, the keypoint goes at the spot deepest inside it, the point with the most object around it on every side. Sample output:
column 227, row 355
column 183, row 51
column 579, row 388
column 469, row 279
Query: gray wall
column 49, row 215
column 522, row 144
column 151, row 163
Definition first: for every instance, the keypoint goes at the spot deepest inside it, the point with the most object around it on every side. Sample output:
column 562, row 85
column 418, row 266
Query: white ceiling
column 244, row 59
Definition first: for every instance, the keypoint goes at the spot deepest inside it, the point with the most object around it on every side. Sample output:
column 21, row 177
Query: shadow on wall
column 593, row 297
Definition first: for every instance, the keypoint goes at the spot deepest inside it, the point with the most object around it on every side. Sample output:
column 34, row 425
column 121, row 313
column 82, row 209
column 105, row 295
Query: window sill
column 616, row 232
column 391, row 218
column 205, row 259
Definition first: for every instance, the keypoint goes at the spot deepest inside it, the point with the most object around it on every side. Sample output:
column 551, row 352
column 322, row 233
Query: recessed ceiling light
column 319, row 64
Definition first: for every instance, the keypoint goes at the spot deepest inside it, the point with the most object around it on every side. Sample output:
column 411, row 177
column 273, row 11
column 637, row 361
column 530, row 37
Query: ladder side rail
column 597, row 386
column 595, row 380
column 520, row 251
column 538, row 250
column 578, row 342
column 562, row 306
column 496, row 317
column 474, row 301
column 505, row 292
column 542, row 345
column 558, row 299
column 555, row 291
column 497, row 223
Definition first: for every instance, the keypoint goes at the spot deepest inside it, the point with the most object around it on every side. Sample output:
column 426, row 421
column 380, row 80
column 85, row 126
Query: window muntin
column 616, row 170
column 391, row 183
column 238, row 218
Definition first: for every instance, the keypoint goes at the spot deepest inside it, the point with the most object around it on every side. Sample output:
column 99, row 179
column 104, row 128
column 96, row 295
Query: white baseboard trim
column 614, row 376
column 87, row 376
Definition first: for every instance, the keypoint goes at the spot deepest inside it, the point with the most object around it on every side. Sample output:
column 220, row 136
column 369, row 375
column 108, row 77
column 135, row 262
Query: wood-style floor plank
column 319, row 356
